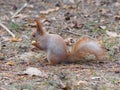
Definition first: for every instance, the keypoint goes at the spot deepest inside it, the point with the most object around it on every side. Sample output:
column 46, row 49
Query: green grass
column 14, row 26
column 94, row 28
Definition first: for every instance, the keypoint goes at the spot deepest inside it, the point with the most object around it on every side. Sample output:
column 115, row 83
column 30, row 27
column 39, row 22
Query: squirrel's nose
column 32, row 36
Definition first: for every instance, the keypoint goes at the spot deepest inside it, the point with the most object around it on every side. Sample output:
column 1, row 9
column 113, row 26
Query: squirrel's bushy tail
column 85, row 47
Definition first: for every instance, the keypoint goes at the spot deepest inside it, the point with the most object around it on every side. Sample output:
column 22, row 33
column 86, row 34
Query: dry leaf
column 116, row 49
column 32, row 71
column 21, row 16
column 90, row 1
column 11, row 63
column 65, row 6
column 112, row 34
column 15, row 39
column 117, row 17
column 103, row 11
column 82, row 83
column 49, row 10
column 1, row 88
column 43, row 16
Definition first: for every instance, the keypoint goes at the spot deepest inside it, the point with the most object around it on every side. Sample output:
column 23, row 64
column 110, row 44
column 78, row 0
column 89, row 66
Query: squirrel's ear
column 39, row 27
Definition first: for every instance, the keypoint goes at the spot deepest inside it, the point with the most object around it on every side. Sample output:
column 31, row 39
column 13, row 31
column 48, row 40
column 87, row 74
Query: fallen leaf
column 90, row 1
column 21, row 16
column 112, row 34
column 117, row 17
column 15, row 39
column 30, row 6
column 117, row 4
column 49, row 10
column 103, row 11
column 1, row 88
column 32, row 71
column 26, row 56
column 76, row 25
column 116, row 49
column 11, row 63
column 43, row 16
column 65, row 6
column 82, row 83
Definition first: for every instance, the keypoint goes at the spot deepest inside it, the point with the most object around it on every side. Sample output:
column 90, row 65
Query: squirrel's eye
column 33, row 34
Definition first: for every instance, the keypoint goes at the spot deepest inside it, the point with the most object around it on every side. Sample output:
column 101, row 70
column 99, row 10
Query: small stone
column 103, row 27
column 96, row 78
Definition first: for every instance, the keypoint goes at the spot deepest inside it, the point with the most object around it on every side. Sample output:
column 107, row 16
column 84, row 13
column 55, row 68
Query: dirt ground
column 71, row 20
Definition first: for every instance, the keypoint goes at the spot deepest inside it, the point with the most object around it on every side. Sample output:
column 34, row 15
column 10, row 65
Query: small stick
column 83, row 7
column 19, row 10
column 67, row 31
column 7, row 30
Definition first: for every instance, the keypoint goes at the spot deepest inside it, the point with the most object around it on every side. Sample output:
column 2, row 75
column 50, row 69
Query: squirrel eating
column 57, row 50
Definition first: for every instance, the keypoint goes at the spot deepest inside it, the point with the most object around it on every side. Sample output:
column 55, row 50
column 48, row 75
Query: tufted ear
column 39, row 27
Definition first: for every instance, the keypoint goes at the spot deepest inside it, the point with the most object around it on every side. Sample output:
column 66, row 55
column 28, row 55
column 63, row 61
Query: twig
column 68, row 31
column 49, row 10
column 19, row 10
column 7, row 30
column 83, row 7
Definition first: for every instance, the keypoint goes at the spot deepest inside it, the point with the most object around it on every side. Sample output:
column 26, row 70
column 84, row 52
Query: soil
column 72, row 20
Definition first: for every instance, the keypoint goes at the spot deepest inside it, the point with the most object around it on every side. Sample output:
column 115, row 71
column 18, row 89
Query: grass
column 96, row 28
column 14, row 26
column 113, row 80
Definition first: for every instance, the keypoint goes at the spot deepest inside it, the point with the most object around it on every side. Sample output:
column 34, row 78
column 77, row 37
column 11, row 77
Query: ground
column 72, row 20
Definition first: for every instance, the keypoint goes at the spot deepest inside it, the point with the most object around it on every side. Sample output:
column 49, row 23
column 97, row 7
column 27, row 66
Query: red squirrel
column 57, row 50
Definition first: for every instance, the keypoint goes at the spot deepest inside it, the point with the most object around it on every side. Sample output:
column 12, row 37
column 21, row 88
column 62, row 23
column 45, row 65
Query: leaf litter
column 83, row 75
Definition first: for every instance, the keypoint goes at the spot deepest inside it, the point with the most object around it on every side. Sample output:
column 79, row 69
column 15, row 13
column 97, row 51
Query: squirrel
column 57, row 49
